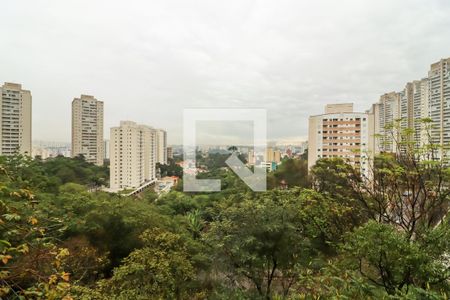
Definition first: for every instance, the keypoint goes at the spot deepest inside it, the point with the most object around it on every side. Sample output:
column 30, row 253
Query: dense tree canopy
column 329, row 234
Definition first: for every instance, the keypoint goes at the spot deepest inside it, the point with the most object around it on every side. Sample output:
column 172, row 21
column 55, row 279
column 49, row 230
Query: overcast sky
column 147, row 60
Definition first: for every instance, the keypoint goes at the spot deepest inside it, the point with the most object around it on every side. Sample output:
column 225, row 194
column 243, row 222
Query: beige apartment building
column 439, row 102
column 338, row 108
column 169, row 153
column 15, row 123
column 267, row 158
column 272, row 155
column 161, row 146
column 340, row 132
column 428, row 97
column 132, row 155
column 87, row 129
column 385, row 112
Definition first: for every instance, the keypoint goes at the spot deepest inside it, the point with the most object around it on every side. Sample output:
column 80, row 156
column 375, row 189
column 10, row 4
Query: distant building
column 161, row 146
column 132, row 155
column 87, row 129
column 439, row 101
column 268, row 159
column 48, row 149
column 277, row 156
column 269, row 165
column 272, row 155
column 169, row 153
column 341, row 133
column 269, row 156
column 15, row 125
column 41, row 152
column 385, row 112
column 427, row 98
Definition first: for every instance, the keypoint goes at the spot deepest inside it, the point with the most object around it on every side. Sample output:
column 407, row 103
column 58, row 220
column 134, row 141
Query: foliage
column 261, row 241
column 290, row 173
column 170, row 169
column 333, row 234
column 31, row 264
column 159, row 270
column 388, row 259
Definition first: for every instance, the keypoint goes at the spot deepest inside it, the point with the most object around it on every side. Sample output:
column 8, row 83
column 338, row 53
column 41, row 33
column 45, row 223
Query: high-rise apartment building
column 414, row 108
column 406, row 106
column 161, row 146
column 269, row 155
column 277, row 156
column 15, row 124
column 341, row 133
column 87, row 129
column 385, row 112
column 132, row 155
column 439, row 101
column 420, row 110
column 428, row 98
column 272, row 155
column 169, row 153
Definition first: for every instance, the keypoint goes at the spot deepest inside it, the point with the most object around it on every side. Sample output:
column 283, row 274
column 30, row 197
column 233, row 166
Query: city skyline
column 416, row 100
column 159, row 58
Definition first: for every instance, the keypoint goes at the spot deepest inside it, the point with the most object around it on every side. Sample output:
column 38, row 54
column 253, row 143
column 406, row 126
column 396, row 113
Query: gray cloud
column 147, row 60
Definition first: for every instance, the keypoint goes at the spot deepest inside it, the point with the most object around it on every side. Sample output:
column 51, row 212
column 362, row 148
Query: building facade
column 385, row 112
column 272, row 155
column 341, row 133
column 439, row 101
column 161, row 146
column 132, row 155
column 87, row 129
column 15, row 124
column 169, row 153
column 421, row 101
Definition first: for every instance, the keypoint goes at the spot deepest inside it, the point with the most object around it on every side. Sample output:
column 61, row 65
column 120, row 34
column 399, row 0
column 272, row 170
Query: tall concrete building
column 414, row 108
column 439, row 101
column 341, row 133
column 169, row 153
column 87, row 129
column 406, row 106
column 132, row 155
column 269, row 155
column 277, row 156
column 272, row 155
column 15, row 123
column 420, row 110
column 161, row 146
column 428, row 98
column 385, row 112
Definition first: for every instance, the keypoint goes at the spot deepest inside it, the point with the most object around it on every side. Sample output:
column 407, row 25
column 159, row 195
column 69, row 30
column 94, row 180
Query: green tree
column 261, row 241
column 161, row 269
column 407, row 194
column 389, row 259
column 290, row 173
